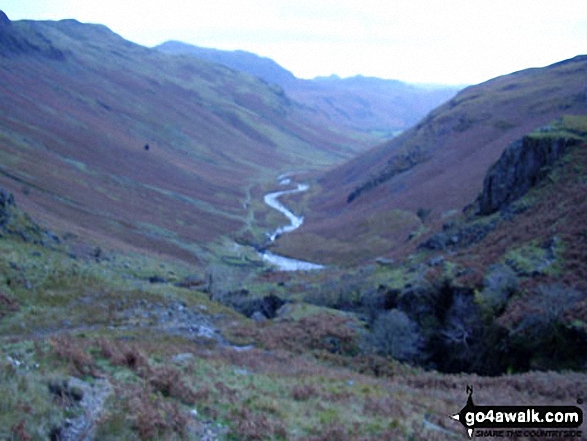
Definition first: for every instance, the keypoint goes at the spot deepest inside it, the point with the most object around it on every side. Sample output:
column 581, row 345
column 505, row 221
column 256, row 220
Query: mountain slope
column 372, row 204
column 377, row 107
column 242, row 61
column 101, row 136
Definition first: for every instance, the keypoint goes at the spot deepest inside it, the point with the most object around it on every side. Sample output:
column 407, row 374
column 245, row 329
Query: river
column 285, row 263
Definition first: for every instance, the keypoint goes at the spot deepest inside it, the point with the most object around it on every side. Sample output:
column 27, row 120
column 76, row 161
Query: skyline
column 453, row 42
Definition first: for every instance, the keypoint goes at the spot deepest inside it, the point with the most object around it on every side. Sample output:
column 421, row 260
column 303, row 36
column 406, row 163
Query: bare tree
column 395, row 334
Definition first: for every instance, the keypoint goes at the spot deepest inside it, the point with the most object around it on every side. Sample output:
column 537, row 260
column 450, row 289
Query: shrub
column 154, row 417
column 373, row 302
column 423, row 213
column 74, row 352
column 249, row 426
column 553, row 301
column 386, row 407
column 543, row 335
column 336, row 293
column 121, row 354
column 169, row 383
column 303, row 393
column 20, row 433
column 7, row 305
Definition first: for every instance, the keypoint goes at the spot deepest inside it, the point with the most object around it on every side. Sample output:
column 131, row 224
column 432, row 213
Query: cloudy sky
column 431, row 41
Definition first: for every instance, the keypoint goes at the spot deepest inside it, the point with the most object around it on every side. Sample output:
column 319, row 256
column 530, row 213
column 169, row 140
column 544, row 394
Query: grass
column 246, row 394
column 577, row 123
column 397, row 277
column 531, row 259
column 568, row 126
column 26, row 407
column 44, row 283
column 256, row 395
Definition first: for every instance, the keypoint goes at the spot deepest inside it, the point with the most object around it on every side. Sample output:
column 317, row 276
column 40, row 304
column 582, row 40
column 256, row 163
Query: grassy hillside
column 371, row 205
column 102, row 137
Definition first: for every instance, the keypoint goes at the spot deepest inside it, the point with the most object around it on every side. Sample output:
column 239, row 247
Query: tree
column 395, row 334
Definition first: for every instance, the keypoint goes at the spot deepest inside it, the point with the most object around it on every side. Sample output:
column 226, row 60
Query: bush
column 249, row 427
column 424, row 214
column 544, row 336
column 303, row 393
column 395, row 334
column 74, row 352
column 499, row 285
column 343, row 293
column 155, row 418
column 553, row 301
column 374, row 301
column 169, row 382
column 316, row 333
column 121, row 354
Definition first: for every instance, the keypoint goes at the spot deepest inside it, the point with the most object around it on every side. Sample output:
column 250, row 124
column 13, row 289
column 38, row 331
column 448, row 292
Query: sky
column 418, row 41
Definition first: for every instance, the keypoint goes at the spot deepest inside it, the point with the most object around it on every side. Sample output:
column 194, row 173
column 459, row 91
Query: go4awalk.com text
column 520, row 421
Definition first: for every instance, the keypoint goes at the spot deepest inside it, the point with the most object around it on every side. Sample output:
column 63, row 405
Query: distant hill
column 377, row 107
column 109, row 139
column 380, row 107
column 242, row 61
column 373, row 204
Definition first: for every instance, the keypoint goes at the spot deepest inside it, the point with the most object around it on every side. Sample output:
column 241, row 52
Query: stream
column 285, row 263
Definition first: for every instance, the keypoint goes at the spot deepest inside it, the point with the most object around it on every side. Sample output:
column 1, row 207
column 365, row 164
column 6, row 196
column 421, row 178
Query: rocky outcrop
column 6, row 207
column 522, row 165
column 256, row 308
column 459, row 235
column 13, row 222
column 397, row 164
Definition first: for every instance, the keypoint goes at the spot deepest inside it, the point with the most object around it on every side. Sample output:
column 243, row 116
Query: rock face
column 521, row 166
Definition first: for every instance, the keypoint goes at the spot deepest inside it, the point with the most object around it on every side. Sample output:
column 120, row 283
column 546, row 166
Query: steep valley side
column 143, row 150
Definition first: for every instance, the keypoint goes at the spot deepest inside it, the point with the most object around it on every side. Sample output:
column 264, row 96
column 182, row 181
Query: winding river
column 285, row 263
